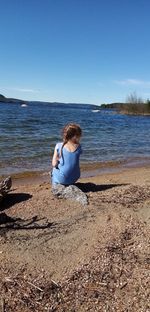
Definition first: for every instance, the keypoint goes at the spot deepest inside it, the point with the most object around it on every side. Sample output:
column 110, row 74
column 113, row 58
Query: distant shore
column 6, row 100
column 137, row 109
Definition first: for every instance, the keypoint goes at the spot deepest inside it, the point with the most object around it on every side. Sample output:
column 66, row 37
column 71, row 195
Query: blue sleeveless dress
column 68, row 170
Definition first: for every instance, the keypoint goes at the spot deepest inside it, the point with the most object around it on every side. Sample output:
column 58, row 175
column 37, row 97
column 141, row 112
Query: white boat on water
column 24, row 105
column 95, row 110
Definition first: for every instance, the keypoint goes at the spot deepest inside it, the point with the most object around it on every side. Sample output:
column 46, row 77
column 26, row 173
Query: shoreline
column 90, row 170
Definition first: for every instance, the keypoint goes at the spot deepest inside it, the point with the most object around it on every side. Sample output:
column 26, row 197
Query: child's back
column 66, row 169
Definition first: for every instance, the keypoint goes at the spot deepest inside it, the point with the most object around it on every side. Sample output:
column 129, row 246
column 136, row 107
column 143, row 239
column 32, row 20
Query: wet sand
column 88, row 170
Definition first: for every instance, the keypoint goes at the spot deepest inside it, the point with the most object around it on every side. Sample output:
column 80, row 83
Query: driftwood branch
column 40, row 289
column 2, row 305
column 5, row 187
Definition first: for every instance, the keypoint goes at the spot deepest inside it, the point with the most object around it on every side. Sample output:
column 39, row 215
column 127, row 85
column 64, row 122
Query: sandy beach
column 44, row 239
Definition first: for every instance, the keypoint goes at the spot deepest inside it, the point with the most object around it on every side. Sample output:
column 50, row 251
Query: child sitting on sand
column 65, row 160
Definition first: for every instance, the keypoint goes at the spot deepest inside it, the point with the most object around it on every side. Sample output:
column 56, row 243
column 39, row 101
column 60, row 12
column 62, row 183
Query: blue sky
column 89, row 51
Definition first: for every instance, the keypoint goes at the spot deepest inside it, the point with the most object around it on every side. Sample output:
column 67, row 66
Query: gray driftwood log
column 5, row 187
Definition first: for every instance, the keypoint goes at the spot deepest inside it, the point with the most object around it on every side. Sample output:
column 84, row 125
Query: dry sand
column 43, row 238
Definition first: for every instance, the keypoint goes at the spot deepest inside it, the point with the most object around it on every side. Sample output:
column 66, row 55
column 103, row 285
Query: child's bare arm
column 55, row 158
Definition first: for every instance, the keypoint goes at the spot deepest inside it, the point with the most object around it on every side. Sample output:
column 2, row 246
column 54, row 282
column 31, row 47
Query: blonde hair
column 68, row 132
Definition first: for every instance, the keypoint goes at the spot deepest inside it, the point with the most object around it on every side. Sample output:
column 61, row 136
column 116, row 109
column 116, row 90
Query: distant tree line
column 134, row 105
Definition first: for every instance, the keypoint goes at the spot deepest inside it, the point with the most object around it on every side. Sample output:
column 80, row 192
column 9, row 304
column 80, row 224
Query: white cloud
column 133, row 82
column 27, row 90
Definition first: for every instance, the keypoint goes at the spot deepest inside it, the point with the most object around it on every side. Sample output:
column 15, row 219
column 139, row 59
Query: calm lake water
column 28, row 135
